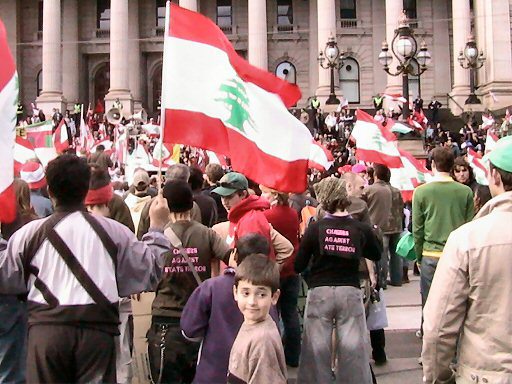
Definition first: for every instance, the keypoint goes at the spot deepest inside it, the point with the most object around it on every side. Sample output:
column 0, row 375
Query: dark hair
column 250, row 244
column 68, row 179
column 99, row 177
column 443, row 158
column 506, row 177
column 382, row 172
column 258, row 270
column 214, row 172
column 461, row 162
column 483, row 194
column 195, row 179
column 100, row 147
column 337, row 204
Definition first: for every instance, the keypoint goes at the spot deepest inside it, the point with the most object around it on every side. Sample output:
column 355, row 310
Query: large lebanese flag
column 8, row 104
column 23, row 152
column 409, row 176
column 213, row 99
column 40, row 134
column 375, row 143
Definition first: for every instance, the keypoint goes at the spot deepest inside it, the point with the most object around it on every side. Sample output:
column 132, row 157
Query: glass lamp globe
column 385, row 58
column 404, row 46
column 471, row 53
column 331, row 52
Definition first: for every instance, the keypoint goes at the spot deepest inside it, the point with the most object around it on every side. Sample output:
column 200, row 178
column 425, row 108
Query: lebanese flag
column 490, row 141
column 487, row 121
column 106, row 143
column 320, row 158
column 395, row 97
column 477, row 164
column 412, row 174
column 233, row 108
column 169, row 154
column 8, row 106
column 40, row 134
column 375, row 143
column 23, row 152
column 60, row 137
column 396, row 127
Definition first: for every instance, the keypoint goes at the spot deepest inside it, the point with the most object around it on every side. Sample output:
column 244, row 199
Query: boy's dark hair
column 443, row 158
column 68, row 179
column 258, row 270
column 506, row 177
column 99, row 177
column 250, row 244
column 382, row 172
column 195, row 179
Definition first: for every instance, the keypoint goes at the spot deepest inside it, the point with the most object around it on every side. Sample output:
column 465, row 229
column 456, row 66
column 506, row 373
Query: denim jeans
column 13, row 339
column 428, row 268
column 390, row 260
column 341, row 308
column 288, row 308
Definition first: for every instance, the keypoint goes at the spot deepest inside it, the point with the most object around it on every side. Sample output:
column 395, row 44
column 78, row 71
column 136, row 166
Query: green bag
column 405, row 246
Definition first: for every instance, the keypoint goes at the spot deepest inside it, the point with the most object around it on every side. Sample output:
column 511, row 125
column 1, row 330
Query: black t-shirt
column 333, row 247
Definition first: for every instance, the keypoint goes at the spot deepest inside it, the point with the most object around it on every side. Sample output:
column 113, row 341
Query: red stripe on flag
column 188, row 25
column 8, row 211
column 245, row 156
column 385, row 131
column 8, row 66
column 378, row 157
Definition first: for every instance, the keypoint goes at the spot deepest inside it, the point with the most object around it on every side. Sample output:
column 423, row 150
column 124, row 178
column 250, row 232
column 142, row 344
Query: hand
column 373, row 280
column 136, row 297
column 159, row 212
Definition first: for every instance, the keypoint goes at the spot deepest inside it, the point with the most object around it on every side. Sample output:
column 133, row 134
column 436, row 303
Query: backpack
column 307, row 216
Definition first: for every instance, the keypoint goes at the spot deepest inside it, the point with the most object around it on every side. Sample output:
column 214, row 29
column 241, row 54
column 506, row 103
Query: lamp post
column 335, row 60
column 404, row 48
column 470, row 58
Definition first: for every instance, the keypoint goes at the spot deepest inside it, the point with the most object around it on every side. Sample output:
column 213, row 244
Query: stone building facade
column 95, row 50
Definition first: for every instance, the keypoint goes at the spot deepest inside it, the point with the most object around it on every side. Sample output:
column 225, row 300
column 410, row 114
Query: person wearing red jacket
column 284, row 219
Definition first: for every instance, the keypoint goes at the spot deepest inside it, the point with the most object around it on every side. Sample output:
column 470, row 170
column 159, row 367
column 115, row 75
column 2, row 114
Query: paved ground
column 402, row 346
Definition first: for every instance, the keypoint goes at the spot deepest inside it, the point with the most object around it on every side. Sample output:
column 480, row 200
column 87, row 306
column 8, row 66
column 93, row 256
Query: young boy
column 212, row 316
column 257, row 355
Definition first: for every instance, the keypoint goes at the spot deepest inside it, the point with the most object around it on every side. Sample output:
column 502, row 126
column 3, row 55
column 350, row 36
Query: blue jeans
column 390, row 260
column 428, row 268
column 288, row 308
column 13, row 337
column 339, row 308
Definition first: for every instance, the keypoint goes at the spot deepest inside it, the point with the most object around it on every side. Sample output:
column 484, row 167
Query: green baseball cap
column 501, row 155
column 230, row 183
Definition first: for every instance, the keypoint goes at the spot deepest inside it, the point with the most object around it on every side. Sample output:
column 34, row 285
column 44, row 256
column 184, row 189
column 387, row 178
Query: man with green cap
column 468, row 311
column 245, row 215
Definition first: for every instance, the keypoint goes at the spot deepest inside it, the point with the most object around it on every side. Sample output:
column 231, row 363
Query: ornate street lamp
column 470, row 58
column 335, row 60
column 404, row 48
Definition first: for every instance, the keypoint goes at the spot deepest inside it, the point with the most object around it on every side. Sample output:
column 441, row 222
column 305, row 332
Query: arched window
column 414, row 81
column 39, row 82
column 157, row 89
column 101, row 83
column 286, row 71
column 349, row 80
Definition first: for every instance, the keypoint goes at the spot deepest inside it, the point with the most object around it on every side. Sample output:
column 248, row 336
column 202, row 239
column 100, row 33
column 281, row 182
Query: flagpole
column 164, row 86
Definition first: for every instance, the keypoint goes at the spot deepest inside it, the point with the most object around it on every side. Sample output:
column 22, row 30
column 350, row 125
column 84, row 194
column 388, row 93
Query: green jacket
column 438, row 208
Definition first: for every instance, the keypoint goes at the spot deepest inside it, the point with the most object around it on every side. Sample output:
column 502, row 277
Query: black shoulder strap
column 80, row 273
column 105, row 239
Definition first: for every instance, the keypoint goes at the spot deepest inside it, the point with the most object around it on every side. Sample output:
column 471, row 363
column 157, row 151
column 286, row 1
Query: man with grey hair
column 176, row 172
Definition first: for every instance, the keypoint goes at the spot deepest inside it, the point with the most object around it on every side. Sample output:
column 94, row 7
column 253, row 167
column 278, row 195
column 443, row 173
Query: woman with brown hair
column 25, row 210
column 463, row 173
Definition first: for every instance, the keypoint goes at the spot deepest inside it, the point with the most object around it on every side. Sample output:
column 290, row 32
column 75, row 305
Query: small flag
column 23, row 152
column 479, row 169
column 60, row 137
column 490, row 141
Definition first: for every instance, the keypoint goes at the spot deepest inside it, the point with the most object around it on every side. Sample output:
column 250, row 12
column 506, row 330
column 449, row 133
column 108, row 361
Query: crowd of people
column 226, row 258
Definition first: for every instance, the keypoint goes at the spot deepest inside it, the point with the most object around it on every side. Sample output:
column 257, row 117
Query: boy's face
column 254, row 301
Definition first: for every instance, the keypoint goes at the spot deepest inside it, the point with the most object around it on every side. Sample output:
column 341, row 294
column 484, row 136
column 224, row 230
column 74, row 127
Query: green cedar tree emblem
column 235, row 99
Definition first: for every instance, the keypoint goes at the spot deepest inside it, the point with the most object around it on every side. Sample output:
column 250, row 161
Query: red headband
column 99, row 196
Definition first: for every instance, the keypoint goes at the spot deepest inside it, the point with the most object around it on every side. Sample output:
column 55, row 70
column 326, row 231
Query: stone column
column 9, row 12
column 258, row 54
column 119, row 56
column 313, row 48
column 134, row 58
column 394, row 9
column 70, row 55
column 440, row 52
column 378, row 31
column 326, row 11
column 51, row 95
column 189, row 4
column 461, row 30
column 495, row 77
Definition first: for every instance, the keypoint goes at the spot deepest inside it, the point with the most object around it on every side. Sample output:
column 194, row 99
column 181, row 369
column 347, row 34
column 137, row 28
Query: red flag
column 8, row 103
column 23, row 152
column 60, row 137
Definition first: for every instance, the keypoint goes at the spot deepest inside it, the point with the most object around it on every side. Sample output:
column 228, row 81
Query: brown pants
column 69, row 354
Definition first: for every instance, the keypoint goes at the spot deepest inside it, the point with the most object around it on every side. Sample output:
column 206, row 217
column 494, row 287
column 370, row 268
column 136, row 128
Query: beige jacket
column 471, row 298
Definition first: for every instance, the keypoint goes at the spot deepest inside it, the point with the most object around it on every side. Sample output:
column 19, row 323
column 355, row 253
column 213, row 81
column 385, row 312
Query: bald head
column 354, row 184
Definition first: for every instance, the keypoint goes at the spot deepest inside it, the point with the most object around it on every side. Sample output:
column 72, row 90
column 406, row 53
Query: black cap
column 179, row 196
